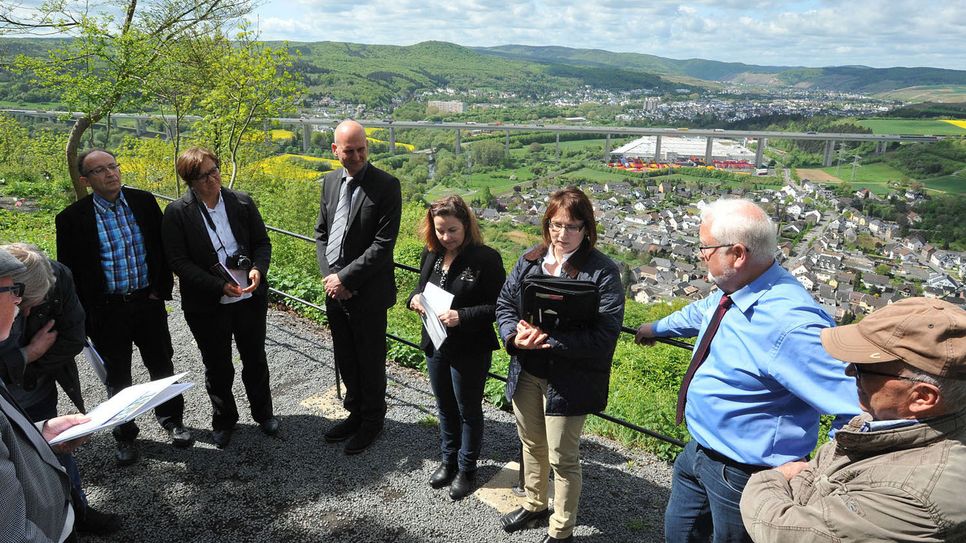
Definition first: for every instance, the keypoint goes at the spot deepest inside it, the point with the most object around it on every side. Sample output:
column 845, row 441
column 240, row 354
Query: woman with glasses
column 456, row 260
column 217, row 245
column 557, row 377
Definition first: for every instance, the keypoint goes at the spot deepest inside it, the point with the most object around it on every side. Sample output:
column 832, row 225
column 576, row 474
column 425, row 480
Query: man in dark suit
column 111, row 241
column 355, row 235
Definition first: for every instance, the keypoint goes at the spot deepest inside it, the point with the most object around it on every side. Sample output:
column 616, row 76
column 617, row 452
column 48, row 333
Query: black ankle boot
column 443, row 475
column 462, row 485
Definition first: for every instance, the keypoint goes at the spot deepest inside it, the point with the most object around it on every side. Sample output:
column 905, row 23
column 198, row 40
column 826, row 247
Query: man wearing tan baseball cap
column 897, row 472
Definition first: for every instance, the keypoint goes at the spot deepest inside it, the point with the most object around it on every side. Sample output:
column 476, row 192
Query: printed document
column 435, row 301
column 126, row 405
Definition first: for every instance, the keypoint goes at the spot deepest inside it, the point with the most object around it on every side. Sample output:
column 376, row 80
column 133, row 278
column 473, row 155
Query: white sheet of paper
column 126, row 405
column 438, row 298
column 95, row 360
column 434, row 328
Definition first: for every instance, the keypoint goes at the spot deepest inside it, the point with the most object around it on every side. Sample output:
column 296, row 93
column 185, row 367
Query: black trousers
column 359, row 342
column 115, row 328
column 213, row 331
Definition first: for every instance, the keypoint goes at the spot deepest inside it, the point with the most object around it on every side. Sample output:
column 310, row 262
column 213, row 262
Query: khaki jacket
column 903, row 484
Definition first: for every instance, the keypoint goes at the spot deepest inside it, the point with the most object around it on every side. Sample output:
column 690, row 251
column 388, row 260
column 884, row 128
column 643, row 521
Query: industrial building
column 678, row 149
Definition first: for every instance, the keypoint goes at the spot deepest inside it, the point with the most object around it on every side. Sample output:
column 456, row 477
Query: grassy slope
column 933, row 127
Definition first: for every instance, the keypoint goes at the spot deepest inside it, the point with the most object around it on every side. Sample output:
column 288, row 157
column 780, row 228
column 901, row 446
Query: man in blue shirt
column 111, row 241
column 758, row 387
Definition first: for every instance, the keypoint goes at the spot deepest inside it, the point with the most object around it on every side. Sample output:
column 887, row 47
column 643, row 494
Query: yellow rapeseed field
column 287, row 166
column 956, row 122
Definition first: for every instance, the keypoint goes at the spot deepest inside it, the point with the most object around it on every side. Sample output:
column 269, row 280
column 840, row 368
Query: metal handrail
column 600, row 414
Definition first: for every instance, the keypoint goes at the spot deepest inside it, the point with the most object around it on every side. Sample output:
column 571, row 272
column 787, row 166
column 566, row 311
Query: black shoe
column 270, row 426
column 443, row 475
column 367, row 433
column 126, row 453
column 92, row 521
column 181, row 437
column 462, row 485
column 344, row 430
column 519, row 518
column 551, row 539
column 221, row 437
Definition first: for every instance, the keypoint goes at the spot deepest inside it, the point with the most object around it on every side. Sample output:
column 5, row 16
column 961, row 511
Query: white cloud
column 803, row 33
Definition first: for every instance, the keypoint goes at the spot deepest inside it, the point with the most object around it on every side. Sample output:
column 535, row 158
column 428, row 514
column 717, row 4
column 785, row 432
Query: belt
column 133, row 296
column 718, row 457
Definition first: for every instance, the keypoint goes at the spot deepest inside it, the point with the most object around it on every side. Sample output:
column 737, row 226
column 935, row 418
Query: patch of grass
column 912, row 126
column 429, row 421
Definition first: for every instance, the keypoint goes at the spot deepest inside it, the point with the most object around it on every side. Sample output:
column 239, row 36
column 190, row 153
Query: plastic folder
column 556, row 302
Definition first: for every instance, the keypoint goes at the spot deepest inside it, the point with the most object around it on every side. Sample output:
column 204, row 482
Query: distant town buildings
column 440, row 106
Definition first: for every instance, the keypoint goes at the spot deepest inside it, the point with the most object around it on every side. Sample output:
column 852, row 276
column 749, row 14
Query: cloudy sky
column 878, row 33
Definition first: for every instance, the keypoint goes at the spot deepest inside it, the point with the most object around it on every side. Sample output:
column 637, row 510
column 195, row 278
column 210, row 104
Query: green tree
column 250, row 82
column 105, row 66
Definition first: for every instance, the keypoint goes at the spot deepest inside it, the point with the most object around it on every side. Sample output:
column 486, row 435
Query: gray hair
column 744, row 222
column 38, row 277
column 951, row 391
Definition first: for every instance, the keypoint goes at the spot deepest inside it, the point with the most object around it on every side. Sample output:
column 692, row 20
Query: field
column 918, row 126
column 933, row 93
column 877, row 176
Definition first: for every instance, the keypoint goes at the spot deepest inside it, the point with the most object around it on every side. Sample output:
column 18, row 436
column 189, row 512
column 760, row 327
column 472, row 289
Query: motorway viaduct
column 308, row 124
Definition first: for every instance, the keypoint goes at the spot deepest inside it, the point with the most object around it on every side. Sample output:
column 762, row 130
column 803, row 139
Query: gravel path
column 295, row 487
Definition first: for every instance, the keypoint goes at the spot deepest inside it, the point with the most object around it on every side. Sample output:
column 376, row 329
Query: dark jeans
column 705, row 494
column 114, row 328
column 47, row 409
column 458, row 386
column 359, row 343
column 213, row 331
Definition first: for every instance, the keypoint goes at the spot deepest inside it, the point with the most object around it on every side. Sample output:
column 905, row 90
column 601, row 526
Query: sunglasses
column 16, row 289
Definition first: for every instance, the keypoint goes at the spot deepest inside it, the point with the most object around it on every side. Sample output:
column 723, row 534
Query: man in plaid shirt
column 111, row 241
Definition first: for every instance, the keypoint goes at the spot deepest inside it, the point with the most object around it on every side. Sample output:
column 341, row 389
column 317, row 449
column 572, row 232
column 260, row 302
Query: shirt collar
column 356, row 177
column 746, row 296
column 878, row 425
column 102, row 204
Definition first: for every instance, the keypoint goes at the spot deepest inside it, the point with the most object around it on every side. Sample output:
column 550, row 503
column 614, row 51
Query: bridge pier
column 392, row 140
column 506, row 145
column 880, row 147
column 607, row 149
column 558, row 146
column 827, row 155
column 140, row 127
column 457, row 148
column 657, row 148
column 708, row 151
column 760, row 151
column 306, row 137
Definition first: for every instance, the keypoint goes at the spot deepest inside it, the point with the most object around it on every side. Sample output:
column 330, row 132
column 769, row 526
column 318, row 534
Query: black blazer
column 78, row 246
column 370, row 237
column 477, row 275
column 191, row 254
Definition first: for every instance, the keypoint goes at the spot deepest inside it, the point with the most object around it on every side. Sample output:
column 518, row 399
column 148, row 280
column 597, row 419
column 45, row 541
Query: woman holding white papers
column 559, row 373
column 459, row 281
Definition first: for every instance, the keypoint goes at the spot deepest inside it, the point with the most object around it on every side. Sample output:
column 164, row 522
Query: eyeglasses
column 860, row 371
column 16, row 289
column 101, row 170
column 712, row 248
column 570, row 228
column 207, row 175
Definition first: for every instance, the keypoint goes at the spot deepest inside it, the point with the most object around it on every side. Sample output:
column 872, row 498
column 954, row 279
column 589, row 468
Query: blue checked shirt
column 123, row 255
column 758, row 396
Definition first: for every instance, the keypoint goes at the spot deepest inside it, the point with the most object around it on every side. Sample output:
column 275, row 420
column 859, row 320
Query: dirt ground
column 817, row 176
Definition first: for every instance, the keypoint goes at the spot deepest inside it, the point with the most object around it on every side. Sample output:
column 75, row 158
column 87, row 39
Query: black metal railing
column 601, row 415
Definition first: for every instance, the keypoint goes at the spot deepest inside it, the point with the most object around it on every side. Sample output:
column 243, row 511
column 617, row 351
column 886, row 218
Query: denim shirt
column 759, row 394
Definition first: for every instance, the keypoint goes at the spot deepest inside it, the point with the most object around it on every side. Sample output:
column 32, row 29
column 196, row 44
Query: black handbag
column 559, row 302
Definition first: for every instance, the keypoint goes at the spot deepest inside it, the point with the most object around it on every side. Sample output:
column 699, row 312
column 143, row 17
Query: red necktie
column 700, row 354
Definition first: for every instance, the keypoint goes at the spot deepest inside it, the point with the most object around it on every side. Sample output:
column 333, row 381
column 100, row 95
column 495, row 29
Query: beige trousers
column 548, row 442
